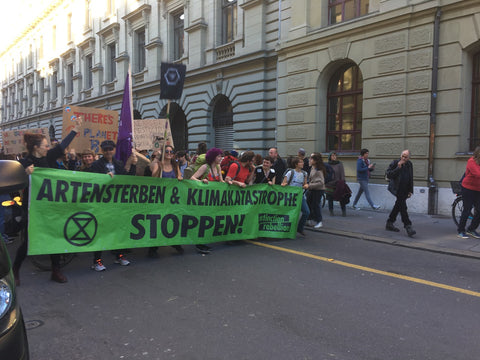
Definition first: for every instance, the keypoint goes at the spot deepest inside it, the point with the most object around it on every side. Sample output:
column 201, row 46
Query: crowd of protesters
column 205, row 165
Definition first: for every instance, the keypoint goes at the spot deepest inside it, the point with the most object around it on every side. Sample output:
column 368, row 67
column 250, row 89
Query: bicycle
column 457, row 205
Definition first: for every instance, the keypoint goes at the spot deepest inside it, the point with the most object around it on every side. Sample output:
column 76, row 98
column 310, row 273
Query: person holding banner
column 297, row 177
column 241, row 172
column 210, row 171
column 165, row 166
column 40, row 155
column 111, row 166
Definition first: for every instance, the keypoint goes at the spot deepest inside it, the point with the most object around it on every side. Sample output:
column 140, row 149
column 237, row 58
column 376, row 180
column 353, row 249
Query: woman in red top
column 471, row 197
column 240, row 176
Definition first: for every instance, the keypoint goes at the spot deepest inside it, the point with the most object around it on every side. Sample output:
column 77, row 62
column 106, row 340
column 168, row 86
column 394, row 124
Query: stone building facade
column 319, row 74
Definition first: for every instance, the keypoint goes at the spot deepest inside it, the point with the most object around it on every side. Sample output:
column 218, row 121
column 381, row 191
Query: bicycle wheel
column 322, row 200
column 44, row 263
column 457, row 209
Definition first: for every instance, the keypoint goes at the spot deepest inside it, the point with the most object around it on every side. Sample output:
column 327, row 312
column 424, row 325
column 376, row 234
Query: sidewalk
column 434, row 232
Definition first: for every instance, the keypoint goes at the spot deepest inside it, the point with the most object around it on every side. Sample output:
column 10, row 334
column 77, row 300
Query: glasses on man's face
column 168, row 151
column 108, row 149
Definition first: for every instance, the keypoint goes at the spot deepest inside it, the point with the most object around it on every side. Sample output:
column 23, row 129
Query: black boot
column 390, row 227
column 410, row 231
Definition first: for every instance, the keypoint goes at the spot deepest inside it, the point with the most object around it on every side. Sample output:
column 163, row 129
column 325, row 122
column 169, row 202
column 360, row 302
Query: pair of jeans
column 471, row 199
column 304, row 215
column 363, row 189
column 313, row 199
column 400, row 207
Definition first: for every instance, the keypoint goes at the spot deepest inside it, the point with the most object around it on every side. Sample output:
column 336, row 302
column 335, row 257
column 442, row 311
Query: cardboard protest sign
column 98, row 125
column 90, row 212
column 13, row 139
column 150, row 134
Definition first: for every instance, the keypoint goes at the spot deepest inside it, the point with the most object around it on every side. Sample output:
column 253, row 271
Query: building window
column 40, row 48
column 69, row 79
column 88, row 14
column 54, row 85
column 475, row 122
column 110, row 7
column 344, row 110
column 178, row 36
column 223, row 123
column 69, row 27
column 343, row 10
column 88, row 71
column 112, row 71
column 229, row 20
column 41, row 90
column 140, row 50
column 54, row 38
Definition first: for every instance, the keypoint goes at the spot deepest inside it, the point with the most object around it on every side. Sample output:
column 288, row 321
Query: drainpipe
column 432, row 185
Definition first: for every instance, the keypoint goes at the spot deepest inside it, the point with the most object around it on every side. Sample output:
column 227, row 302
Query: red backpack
column 225, row 164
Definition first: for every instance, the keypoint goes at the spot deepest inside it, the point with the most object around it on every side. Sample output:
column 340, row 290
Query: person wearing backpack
column 298, row 177
column 316, row 188
column 264, row 174
column 240, row 172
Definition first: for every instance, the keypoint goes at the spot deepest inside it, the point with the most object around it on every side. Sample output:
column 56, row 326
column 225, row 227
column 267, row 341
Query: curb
column 418, row 246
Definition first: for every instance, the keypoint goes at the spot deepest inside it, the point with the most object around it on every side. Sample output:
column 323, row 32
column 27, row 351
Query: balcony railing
column 225, row 52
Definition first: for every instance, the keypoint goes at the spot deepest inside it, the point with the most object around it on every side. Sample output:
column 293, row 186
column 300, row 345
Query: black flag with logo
column 171, row 80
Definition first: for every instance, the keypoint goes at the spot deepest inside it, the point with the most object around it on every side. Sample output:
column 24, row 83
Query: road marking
column 372, row 270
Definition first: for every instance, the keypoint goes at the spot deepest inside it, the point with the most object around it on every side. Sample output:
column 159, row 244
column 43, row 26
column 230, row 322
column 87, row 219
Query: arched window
column 178, row 124
column 344, row 110
column 223, row 123
column 475, row 121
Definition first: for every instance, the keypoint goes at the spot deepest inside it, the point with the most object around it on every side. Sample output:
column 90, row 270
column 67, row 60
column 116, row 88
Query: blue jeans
column 304, row 216
column 363, row 189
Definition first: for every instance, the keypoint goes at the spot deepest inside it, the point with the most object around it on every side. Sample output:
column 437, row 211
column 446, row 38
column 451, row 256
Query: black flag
column 171, row 80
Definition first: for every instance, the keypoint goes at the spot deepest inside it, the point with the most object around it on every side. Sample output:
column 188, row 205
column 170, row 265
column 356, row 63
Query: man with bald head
column 400, row 176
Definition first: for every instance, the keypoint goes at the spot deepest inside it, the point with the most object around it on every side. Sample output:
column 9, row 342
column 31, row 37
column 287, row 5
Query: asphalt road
column 332, row 298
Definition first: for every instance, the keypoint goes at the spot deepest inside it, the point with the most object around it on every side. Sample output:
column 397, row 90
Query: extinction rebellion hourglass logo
column 80, row 229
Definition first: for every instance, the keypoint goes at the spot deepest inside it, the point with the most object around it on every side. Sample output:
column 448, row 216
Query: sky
column 15, row 17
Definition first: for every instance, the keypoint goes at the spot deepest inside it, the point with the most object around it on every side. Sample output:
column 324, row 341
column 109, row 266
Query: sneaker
column 98, row 266
column 355, row 207
column 473, row 233
column 203, row 249
column 310, row 223
column 410, row 231
column 376, row 207
column 462, row 235
column 318, row 225
column 122, row 260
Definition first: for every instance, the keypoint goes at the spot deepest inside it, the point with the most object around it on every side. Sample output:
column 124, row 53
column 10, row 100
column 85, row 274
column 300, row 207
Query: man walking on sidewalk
column 400, row 175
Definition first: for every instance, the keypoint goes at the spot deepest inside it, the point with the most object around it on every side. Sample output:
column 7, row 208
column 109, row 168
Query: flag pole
column 165, row 135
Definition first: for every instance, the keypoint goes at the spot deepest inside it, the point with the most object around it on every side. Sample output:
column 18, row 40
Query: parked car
column 13, row 335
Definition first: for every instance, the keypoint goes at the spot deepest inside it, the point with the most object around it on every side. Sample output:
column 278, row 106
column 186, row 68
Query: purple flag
column 125, row 125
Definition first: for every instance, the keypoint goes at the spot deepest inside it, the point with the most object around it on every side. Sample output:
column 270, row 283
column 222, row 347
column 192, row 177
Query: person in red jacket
column 471, row 197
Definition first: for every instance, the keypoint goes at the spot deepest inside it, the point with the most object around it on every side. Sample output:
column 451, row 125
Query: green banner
column 73, row 211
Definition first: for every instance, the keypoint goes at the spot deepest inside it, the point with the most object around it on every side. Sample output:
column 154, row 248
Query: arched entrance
column 222, row 119
column 178, row 124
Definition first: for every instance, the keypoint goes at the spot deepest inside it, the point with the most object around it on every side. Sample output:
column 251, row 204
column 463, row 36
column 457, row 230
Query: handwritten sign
column 13, row 139
column 150, row 134
column 98, row 125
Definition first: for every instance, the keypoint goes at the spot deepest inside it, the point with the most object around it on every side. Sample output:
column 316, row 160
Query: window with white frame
column 54, row 80
column 139, row 44
column 229, row 20
column 41, row 90
column 178, row 35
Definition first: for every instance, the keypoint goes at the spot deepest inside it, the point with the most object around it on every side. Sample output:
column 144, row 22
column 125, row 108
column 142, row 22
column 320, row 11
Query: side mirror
column 12, row 176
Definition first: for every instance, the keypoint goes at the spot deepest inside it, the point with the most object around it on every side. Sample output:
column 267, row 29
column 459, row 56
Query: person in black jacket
column 278, row 165
column 40, row 155
column 111, row 166
column 400, row 175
